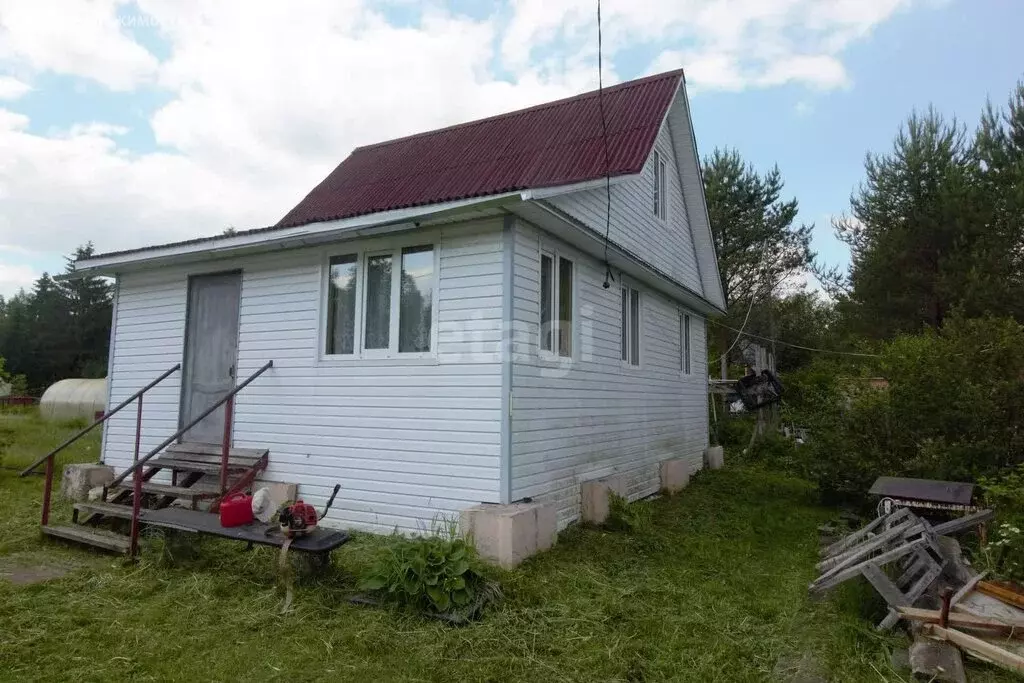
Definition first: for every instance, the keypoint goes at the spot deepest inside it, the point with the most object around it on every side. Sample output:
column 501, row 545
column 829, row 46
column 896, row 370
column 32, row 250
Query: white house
column 451, row 318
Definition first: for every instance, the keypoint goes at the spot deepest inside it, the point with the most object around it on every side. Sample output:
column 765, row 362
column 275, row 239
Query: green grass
column 714, row 589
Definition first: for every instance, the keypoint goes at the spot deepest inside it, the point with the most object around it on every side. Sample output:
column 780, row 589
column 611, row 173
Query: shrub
column 436, row 575
column 951, row 410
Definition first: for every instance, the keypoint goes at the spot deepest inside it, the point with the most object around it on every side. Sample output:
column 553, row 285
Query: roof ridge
column 625, row 85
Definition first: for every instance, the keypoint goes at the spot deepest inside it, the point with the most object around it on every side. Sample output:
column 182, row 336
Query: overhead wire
column 607, row 157
column 741, row 333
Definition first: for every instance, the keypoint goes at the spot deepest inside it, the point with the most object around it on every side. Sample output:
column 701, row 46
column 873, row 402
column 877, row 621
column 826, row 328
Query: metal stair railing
column 136, row 469
column 49, row 457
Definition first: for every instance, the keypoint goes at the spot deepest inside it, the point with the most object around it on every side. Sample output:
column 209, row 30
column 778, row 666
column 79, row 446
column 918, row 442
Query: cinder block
column 595, row 496
column 675, row 475
column 508, row 534
column 78, row 479
column 714, row 457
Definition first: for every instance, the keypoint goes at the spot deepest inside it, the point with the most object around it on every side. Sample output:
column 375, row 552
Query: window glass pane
column 657, row 183
column 624, row 342
column 341, row 304
column 634, row 327
column 564, row 307
column 378, row 302
column 547, row 279
column 416, row 299
column 686, row 344
column 662, row 194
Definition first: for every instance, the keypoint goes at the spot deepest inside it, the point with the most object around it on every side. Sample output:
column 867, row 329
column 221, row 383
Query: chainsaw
column 299, row 518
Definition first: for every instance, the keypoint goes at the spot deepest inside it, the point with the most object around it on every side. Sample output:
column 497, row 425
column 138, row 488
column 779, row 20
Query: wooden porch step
column 197, row 466
column 200, row 452
column 183, row 492
column 107, row 540
column 107, row 509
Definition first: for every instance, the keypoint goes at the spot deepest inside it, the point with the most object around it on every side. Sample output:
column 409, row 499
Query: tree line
column 58, row 329
column 935, row 228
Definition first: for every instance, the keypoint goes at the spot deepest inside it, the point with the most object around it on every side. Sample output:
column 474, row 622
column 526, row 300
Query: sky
column 142, row 122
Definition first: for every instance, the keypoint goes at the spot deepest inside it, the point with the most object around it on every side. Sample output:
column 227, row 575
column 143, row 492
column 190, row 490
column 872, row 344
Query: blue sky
column 130, row 123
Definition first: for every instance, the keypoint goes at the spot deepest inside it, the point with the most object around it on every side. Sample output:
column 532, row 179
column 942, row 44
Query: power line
column 795, row 346
column 607, row 159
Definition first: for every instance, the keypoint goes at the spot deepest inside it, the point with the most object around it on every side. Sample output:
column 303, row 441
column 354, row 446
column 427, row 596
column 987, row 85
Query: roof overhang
column 258, row 241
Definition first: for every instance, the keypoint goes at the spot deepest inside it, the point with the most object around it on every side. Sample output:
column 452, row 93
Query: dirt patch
column 24, row 569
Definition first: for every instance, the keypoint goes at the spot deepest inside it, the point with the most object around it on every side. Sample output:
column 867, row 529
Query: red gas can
column 236, row 510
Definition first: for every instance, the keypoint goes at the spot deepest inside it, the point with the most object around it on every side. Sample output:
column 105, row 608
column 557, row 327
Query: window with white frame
column 684, row 343
column 556, row 304
column 389, row 308
column 630, row 341
column 660, row 184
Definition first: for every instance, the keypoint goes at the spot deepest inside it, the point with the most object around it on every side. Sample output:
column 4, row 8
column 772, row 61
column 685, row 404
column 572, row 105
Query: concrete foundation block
column 714, row 457
column 595, row 495
column 80, row 478
column 508, row 534
column 675, row 475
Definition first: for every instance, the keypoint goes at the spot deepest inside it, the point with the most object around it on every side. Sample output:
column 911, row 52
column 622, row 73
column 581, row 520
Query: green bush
column 436, row 575
column 951, row 410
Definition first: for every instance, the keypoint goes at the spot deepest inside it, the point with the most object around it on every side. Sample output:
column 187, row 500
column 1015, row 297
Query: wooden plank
column 1000, row 593
column 94, row 537
column 963, row 620
column 846, row 542
column 209, row 449
column 827, row 582
column 188, row 466
column 967, row 588
column 106, row 509
column 858, row 553
column 883, row 584
column 206, row 459
column 978, row 647
column 959, row 524
column 175, row 491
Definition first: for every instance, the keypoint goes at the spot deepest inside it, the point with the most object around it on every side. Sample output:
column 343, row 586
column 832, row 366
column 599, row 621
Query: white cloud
column 11, row 88
column 265, row 99
column 74, row 37
column 15, row 277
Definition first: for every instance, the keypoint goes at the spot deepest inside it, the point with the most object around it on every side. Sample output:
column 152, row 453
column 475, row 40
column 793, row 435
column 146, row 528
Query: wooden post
column 229, row 413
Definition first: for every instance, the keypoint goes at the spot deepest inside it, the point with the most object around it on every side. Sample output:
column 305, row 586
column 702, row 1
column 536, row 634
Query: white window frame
column 363, row 252
column 626, row 315
column 556, row 256
column 660, row 194
column 685, row 344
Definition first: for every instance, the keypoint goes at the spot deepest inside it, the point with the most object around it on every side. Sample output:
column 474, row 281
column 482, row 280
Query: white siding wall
column 409, row 441
column 665, row 244
column 595, row 416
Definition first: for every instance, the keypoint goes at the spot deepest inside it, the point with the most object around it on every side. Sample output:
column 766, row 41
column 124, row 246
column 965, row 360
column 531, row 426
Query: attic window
column 660, row 198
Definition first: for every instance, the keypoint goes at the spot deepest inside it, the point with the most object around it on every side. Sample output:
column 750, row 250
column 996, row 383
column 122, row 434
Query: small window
column 341, row 304
column 630, row 338
column 416, row 300
column 556, row 298
column 381, row 303
column 684, row 343
column 660, row 199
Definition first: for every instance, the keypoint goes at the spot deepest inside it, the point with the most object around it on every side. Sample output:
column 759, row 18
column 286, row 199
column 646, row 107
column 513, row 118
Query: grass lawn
column 715, row 591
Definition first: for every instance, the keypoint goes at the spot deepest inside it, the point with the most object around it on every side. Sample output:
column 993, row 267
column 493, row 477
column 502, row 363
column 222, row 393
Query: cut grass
column 715, row 589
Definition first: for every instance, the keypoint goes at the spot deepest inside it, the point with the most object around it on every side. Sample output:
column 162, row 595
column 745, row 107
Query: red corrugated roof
column 558, row 143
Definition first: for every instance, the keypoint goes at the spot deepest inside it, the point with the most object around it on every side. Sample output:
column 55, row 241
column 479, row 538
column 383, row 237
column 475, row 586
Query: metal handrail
column 169, row 440
column 100, row 420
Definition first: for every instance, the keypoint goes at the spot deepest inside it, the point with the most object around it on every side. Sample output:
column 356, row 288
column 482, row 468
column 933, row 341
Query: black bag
column 758, row 391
